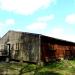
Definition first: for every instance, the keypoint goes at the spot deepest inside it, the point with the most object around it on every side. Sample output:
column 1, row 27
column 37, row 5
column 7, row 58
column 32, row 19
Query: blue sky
column 55, row 18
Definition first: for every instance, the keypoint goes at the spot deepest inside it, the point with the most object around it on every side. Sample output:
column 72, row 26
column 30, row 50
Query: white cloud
column 46, row 18
column 1, row 26
column 6, row 23
column 5, row 26
column 40, row 24
column 25, row 7
column 10, row 22
column 70, row 19
column 59, row 33
column 69, row 37
column 37, row 26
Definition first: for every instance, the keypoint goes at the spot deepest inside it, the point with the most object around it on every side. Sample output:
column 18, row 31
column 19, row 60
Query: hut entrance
column 5, row 53
column 8, row 52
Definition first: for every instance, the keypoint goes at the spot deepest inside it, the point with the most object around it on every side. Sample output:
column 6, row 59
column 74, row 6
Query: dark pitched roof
column 52, row 38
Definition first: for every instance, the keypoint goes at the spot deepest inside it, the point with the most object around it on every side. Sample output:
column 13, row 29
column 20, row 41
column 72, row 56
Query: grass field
column 65, row 67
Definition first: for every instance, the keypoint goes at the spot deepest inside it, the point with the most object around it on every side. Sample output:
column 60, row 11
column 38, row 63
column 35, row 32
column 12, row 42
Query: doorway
column 8, row 52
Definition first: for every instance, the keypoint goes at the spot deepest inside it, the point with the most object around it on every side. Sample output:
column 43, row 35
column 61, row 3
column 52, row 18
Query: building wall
column 53, row 49
column 33, row 47
column 23, row 46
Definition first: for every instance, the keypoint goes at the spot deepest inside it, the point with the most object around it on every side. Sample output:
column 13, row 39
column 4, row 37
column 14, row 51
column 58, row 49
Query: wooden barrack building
column 31, row 47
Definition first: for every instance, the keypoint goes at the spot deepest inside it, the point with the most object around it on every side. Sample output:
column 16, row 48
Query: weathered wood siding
column 56, row 49
column 34, row 47
column 23, row 46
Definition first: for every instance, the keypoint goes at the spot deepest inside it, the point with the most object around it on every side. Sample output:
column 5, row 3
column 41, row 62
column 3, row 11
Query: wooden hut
column 31, row 47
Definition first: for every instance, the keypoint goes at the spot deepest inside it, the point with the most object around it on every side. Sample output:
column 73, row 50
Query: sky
column 54, row 18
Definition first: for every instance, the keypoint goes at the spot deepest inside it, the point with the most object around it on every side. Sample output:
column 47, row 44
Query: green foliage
column 65, row 67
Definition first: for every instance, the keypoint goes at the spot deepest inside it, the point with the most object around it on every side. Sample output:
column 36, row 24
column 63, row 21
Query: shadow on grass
column 27, row 69
column 48, row 73
column 51, row 65
column 36, row 70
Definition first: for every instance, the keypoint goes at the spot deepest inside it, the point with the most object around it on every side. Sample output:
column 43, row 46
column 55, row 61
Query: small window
column 17, row 46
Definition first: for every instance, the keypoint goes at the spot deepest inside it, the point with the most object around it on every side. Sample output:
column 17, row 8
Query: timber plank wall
column 52, row 48
column 32, row 47
column 23, row 46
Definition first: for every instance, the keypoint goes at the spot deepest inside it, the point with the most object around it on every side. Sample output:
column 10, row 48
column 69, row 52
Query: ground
column 64, row 67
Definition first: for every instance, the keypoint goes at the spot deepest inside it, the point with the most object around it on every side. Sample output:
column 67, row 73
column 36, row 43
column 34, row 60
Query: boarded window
column 17, row 46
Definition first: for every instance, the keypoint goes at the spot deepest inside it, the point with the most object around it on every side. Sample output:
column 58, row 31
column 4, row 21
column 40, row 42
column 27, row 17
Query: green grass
column 65, row 67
